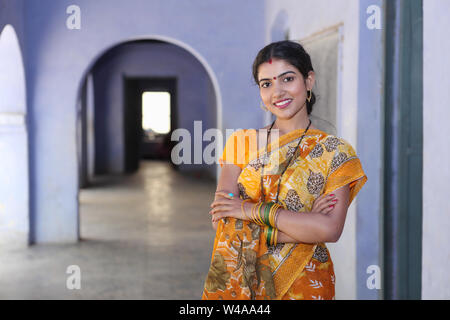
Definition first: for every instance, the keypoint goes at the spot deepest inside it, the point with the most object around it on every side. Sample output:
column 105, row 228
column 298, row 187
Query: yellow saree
column 242, row 265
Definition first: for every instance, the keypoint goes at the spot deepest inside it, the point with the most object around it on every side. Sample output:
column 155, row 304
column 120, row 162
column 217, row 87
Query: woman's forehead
column 274, row 67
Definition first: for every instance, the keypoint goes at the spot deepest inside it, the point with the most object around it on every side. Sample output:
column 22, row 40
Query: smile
column 283, row 103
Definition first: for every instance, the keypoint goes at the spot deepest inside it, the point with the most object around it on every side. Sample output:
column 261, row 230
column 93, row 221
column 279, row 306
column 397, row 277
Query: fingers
column 218, row 213
column 220, row 208
column 224, row 194
column 327, row 209
column 218, row 203
column 228, row 195
column 325, row 203
column 324, row 198
column 216, row 217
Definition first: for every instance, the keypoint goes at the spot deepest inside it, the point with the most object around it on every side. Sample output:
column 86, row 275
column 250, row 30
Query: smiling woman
column 288, row 199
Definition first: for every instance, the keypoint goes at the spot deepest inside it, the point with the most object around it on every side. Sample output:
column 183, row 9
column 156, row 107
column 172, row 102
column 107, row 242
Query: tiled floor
column 144, row 236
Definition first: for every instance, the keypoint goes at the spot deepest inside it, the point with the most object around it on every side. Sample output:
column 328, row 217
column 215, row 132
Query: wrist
column 262, row 213
column 246, row 209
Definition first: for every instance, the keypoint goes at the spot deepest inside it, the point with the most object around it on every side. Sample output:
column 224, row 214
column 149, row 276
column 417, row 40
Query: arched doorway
column 14, row 194
column 111, row 137
column 143, row 64
column 154, row 209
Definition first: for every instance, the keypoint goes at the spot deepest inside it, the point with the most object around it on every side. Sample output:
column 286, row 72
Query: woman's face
column 282, row 87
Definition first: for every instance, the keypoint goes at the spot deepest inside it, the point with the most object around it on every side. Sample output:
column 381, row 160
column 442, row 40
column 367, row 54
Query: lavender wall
column 226, row 35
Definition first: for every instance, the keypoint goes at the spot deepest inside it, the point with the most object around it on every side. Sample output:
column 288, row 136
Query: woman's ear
column 310, row 80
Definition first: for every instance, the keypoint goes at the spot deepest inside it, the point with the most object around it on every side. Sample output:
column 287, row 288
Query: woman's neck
column 286, row 126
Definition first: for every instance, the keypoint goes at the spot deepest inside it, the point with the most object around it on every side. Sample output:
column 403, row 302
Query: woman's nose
column 277, row 91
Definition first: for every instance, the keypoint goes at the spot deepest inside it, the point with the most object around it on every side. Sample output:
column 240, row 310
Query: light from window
column 156, row 111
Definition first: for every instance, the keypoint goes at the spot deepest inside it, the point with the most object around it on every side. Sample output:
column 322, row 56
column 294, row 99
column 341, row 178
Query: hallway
column 144, row 236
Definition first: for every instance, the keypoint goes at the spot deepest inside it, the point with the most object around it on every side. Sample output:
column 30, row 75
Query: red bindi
column 274, row 78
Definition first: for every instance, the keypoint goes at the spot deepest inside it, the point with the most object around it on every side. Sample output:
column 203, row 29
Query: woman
column 294, row 191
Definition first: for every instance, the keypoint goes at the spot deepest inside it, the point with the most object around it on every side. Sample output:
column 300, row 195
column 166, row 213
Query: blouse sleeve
column 232, row 153
column 345, row 168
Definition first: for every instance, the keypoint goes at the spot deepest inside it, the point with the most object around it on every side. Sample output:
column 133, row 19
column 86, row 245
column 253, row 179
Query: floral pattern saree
column 242, row 265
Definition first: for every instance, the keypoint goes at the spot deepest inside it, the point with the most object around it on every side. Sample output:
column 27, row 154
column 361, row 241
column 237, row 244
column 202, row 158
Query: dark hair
column 293, row 53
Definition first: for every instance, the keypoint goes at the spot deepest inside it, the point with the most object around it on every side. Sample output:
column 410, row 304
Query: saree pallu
column 242, row 265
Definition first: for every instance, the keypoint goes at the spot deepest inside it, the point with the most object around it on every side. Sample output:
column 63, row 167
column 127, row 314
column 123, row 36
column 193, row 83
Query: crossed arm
column 322, row 224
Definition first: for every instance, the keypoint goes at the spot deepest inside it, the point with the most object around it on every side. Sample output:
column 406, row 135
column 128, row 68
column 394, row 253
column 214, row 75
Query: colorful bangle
column 273, row 210
column 273, row 213
column 275, row 236
column 271, row 236
column 254, row 214
column 264, row 213
column 266, row 216
column 258, row 214
column 268, row 232
column 276, row 218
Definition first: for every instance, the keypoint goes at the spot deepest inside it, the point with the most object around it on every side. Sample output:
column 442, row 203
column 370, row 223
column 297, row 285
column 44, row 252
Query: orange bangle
column 255, row 216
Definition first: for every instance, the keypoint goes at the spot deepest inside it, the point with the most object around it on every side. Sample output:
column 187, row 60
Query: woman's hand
column 227, row 206
column 324, row 204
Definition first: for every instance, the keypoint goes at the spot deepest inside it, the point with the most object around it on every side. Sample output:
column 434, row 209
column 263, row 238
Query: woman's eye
column 265, row 84
column 287, row 79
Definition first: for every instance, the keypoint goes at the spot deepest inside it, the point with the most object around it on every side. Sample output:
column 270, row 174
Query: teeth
column 282, row 102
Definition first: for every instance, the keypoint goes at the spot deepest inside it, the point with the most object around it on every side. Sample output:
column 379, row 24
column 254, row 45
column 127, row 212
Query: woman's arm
column 314, row 227
column 227, row 182
column 319, row 225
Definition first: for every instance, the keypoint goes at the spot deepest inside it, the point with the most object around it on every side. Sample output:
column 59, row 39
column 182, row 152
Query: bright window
column 156, row 111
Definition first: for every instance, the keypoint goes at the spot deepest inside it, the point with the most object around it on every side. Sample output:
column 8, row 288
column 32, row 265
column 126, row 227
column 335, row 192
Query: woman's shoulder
column 335, row 144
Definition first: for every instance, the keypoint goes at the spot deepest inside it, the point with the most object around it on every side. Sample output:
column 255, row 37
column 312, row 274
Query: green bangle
column 267, row 212
column 261, row 213
column 269, row 236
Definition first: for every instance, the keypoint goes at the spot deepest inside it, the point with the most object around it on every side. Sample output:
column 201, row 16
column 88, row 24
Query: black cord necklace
column 289, row 162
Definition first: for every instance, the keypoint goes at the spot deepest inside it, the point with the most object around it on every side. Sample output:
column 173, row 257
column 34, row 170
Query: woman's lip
column 288, row 101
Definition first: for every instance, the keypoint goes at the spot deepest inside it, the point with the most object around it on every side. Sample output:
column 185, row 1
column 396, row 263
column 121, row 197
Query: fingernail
column 331, row 206
column 332, row 194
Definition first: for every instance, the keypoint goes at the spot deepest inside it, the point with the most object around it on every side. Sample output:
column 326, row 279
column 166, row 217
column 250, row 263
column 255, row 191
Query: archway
column 86, row 88
column 103, row 106
column 14, row 185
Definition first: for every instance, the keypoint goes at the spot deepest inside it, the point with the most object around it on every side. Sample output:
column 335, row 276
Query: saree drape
column 242, row 265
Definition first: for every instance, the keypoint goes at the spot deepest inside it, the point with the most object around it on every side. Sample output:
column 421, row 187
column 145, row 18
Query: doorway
column 144, row 99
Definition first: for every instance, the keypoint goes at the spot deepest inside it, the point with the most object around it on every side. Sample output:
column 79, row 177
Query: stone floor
column 144, row 236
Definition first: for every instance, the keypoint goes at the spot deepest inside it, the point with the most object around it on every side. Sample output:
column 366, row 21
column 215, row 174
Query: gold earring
column 309, row 95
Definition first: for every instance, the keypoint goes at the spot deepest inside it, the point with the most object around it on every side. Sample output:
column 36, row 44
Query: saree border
column 303, row 252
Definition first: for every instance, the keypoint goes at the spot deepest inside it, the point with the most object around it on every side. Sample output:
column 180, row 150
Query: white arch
column 178, row 43
column 12, row 76
column 14, row 177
